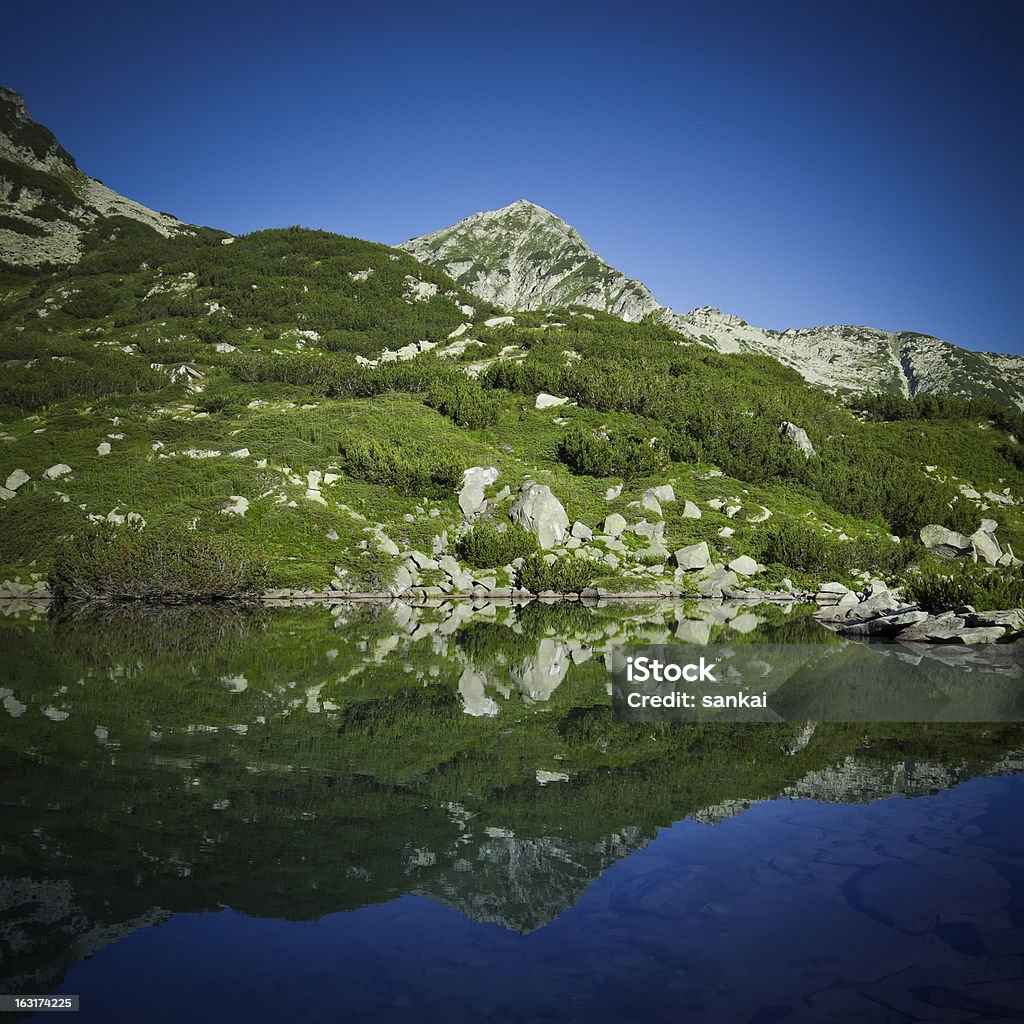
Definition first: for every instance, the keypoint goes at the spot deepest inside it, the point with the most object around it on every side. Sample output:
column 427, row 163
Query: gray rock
column 886, row 625
column 539, row 512
column 798, row 436
column 744, row 565
column 650, row 502
column 613, row 492
column 944, row 543
column 664, row 493
column 582, row 531
column 546, row 401
column 16, row 479
column 696, row 556
column 56, row 472
column 385, row 544
column 1012, row 617
column 614, row 524
column 832, row 588
column 424, row 561
column 403, row 580
column 450, row 565
column 690, row 511
column 717, row 583
column 984, row 545
column 474, row 481
column 5, row 494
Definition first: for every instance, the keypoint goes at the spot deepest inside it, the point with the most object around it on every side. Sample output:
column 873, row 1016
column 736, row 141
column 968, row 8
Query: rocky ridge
column 524, row 257
column 46, row 203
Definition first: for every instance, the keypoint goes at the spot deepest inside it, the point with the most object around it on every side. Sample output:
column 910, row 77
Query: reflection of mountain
column 292, row 765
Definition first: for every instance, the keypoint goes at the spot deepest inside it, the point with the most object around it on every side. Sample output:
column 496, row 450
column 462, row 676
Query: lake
column 379, row 812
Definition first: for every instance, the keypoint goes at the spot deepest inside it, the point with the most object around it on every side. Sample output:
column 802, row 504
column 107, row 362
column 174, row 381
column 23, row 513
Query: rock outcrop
column 539, row 512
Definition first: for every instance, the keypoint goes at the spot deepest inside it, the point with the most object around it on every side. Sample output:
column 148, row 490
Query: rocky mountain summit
column 47, row 204
column 524, row 257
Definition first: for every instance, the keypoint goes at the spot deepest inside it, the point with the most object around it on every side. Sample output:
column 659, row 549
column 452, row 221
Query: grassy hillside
column 177, row 376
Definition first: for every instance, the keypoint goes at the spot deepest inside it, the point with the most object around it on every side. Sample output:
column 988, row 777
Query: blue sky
column 794, row 163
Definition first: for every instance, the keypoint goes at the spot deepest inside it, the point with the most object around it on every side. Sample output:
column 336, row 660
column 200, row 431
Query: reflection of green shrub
column 378, row 462
column 484, row 546
column 564, row 575
column 941, row 588
column 147, row 565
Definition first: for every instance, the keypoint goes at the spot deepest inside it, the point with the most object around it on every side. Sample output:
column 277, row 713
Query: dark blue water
column 431, row 815
column 900, row 910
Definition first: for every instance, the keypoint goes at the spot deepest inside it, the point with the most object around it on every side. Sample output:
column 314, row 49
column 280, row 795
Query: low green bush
column 380, row 462
column 120, row 563
column 485, row 546
column 565, row 575
column 464, row 402
column 939, row 588
column 622, row 455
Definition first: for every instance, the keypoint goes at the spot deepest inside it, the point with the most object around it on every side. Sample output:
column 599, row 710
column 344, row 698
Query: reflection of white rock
column 471, row 689
column 542, row 673
column 11, row 704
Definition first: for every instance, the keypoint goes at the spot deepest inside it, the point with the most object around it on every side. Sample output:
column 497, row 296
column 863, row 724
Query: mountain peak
column 523, row 256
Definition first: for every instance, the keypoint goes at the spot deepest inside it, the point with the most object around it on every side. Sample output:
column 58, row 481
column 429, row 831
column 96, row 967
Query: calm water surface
column 390, row 814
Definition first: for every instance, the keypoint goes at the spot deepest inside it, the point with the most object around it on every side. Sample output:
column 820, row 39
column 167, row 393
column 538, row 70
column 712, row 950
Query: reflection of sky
column 793, row 911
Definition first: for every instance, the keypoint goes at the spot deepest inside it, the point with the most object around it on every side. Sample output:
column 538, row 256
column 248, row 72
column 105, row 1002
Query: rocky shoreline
column 874, row 613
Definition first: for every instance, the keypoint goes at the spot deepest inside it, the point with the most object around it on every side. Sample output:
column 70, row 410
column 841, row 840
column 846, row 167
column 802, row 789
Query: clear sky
column 795, row 163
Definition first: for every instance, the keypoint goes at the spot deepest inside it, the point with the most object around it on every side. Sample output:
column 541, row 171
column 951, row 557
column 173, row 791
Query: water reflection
column 292, row 763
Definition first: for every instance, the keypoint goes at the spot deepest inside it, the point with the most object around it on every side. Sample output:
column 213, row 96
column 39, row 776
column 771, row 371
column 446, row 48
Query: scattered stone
column 744, row 566
column 798, row 436
column 16, row 479
column 944, row 543
column 884, row 625
column 696, row 556
column 614, row 524
column 474, row 482
column 613, row 492
column 238, row 507
column 103, row 448
column 546, row 401
column 651, row 503
column 582, row 531
column 690, row 511
column 663, row 493
column 539, row 512
column 56, row 472
column 984, row 546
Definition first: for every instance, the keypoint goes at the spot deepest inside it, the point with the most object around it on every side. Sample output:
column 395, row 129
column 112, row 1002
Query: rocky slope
column 46, row 203
column 849, row 359
column 524, row 257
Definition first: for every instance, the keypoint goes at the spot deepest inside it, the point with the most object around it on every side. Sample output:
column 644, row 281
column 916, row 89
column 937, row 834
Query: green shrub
column 379, row 462
column 485, row 546
column 464, row 402
column 91, row 302
column 939, row 588
column 801, row 546
column 112, row 563
column 565, row 575
column 622, row 455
